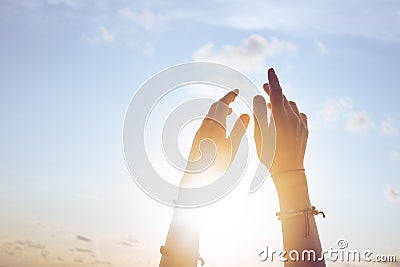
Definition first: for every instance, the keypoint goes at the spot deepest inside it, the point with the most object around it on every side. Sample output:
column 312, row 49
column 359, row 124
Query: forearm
column 182, row 242
column 299, row 234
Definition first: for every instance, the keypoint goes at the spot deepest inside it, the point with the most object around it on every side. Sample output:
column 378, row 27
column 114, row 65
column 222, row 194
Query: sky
column 69, row 69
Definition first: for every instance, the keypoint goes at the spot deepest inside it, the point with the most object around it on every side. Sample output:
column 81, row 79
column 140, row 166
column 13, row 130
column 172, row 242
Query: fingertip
column 229, row 97
column 245, row 118
column 266, row 88
column 258, row 99
column 304, row 119
column 273, row 79
column 294, row 107
column 271, row 71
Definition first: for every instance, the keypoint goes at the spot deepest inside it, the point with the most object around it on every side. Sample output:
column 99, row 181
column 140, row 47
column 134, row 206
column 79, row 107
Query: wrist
column 292, row 191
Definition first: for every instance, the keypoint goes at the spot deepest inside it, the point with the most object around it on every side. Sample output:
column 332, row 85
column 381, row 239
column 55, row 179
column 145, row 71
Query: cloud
column 103, row 35
column 48, row 3
column 321, row 47
column 374, row 20
column 86, row 262
column 249, row 56
column 392, row 195
column 102, row 262
column 359, row 122
column 21, row 247
column 388, row 127
column 129, row 242
column 106, row 35
column 337, row 109
column 83, row 238
column 342, row 110
column 145, row 18
column 83, row 250
column 88, row 257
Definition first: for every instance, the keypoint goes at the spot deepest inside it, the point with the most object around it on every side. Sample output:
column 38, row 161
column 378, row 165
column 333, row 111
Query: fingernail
column 236, row 91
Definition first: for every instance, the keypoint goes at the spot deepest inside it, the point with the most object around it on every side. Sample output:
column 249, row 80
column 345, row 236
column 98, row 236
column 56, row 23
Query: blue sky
column 69, row 69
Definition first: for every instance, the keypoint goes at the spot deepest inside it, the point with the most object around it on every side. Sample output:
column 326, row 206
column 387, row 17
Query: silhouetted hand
column 291, row 129
column 212, row 151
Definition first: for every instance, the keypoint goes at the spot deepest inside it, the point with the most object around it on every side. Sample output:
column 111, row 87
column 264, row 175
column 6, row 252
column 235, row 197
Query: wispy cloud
column 83, row 250
column 88, row 257
column 389, row 127
column 48, row 3
column 321, row 47
column 374, row 20
column 83, row 238
column 249, row 56
column 359, row 122
column 128, row 241
column 336, row 109
column 342, row 110
column 106, row 35
column 22, row 247
column 392, row 195
column 146, row 18
column 103, row 35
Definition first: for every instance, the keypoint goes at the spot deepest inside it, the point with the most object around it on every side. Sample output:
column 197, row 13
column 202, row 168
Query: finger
column 294, row 107
column 212, row 110
column 260, row 111
column 286, row 103
column 275, row 93
column 304, row 119
column 266, row 88
column 229, row 111
column 238, row 131
column 260, row 121
column 210, row 117
column 229, row 97
column 221, row 113
column 222, row 107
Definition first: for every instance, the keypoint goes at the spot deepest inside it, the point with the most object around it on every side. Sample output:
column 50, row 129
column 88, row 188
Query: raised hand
column 291, row 130
column 212, row 150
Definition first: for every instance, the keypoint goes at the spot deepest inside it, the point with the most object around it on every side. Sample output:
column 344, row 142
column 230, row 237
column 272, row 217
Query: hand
column 291, row 129
column 212, row 151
